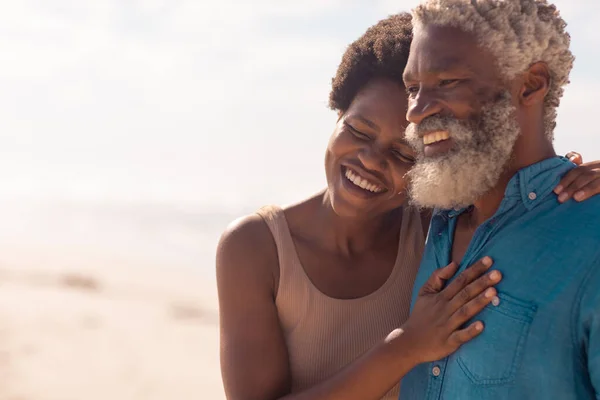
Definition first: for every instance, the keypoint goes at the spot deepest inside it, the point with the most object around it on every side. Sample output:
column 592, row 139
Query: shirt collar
column 529, row 185
column 536, row 182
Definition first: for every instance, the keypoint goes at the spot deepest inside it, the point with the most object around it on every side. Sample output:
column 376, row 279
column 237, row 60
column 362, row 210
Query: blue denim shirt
column 542, row 340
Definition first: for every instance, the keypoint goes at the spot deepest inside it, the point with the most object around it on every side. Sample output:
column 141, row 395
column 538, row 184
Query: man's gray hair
column 518, row 33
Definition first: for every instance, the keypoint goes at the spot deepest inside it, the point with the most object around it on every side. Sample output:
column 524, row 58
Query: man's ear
column 536, row 83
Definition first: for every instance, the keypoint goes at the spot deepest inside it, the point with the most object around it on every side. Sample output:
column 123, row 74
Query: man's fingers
column 466, row 277
column 462, row 336
column 438, row 279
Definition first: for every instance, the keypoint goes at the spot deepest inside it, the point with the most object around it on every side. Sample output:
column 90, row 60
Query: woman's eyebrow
column 365, row 121
column 402, row 141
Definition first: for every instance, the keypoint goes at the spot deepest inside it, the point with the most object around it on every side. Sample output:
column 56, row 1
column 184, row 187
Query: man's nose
column 424, row 105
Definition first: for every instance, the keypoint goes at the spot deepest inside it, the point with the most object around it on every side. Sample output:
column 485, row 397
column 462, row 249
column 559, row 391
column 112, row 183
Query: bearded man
column 484, row 80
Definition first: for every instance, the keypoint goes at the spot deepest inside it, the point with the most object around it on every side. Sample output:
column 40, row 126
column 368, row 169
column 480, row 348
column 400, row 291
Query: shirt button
column 436, row 371
column 532, row 196
column 496, row 301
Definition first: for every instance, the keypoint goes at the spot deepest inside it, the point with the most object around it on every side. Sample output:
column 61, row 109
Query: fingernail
column 478, row 326
column 558, row 189
column 563, row 197
column 496, row 301
column 495, row 275
column 490, row 293
column 579, row 195
column 486, row 261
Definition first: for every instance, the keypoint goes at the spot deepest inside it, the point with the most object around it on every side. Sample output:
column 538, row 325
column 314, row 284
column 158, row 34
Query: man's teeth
column 362, row 182
column 435, row 137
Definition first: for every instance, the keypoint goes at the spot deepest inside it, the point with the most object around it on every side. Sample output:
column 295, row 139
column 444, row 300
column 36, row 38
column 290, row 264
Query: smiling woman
column 367, row 158
column 314, row 298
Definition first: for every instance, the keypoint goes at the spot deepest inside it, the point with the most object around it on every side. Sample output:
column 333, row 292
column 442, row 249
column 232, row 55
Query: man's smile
column 436, row 143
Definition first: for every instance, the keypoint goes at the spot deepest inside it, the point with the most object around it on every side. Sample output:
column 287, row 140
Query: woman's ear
column 536, row 83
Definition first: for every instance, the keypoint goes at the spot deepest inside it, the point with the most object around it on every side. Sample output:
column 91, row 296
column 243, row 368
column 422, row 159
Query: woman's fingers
column 438, row 279
column 466, row 277
column 566, row 181
column 478, row 292
column 467, row 311
column 584, row 186
column 592, row 188
column 575, row 157
column 580, row 183
column 439, row 313
column 462, row 336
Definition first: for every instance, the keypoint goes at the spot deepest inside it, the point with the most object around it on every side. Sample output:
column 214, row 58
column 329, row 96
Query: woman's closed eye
column 402, row 156
column 360, row 135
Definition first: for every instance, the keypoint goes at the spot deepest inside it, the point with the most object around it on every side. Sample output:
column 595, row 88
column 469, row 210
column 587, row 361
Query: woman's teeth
column 435, row 137
column 362, row 182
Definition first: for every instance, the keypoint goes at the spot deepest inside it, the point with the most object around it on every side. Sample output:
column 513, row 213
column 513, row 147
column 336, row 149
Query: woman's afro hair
column 381, row 52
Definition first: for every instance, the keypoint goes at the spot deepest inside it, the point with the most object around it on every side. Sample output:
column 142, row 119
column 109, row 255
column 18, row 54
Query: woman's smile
column 360, row 185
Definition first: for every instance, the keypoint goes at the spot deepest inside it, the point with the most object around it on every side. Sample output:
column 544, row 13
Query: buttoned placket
column 524, row 193
column 437, row 371
column 443, row 249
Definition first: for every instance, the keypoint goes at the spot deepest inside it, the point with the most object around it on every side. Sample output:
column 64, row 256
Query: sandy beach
column 78, row 325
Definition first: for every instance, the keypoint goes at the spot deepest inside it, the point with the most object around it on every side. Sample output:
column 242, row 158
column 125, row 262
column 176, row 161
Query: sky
column 221, row 104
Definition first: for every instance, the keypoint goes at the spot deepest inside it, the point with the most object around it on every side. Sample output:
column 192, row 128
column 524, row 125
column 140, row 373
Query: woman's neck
column 355, row 235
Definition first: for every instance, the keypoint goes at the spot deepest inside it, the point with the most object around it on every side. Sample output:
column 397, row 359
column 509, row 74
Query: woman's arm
column 254, row 359
column 432, row 332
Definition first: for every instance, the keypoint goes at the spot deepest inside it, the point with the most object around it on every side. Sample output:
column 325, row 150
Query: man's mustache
column 441, row 123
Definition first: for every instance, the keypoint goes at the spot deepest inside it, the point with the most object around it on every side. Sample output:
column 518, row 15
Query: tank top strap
column 291, row 272
column 412, row 235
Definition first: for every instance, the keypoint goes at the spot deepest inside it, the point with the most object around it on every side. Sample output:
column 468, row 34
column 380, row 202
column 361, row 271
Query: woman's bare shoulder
column 249, row 228
column 247, row 249
column 247, row 246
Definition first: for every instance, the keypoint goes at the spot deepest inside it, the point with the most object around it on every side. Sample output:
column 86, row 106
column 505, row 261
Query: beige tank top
column 324, row 334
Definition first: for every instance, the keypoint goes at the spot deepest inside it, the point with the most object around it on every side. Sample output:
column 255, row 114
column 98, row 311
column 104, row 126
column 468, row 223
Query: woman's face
column 367, row 156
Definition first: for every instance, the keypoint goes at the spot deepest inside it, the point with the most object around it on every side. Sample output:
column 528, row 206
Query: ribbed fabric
column 324, row 334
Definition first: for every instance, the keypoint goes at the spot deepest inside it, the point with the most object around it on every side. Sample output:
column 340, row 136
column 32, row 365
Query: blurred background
column 131, row 133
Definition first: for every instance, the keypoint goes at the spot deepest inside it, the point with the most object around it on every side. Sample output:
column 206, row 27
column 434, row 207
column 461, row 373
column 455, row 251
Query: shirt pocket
column 494, row 357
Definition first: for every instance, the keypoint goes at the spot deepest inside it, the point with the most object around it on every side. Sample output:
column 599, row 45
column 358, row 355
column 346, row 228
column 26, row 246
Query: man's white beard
column 481, row 152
